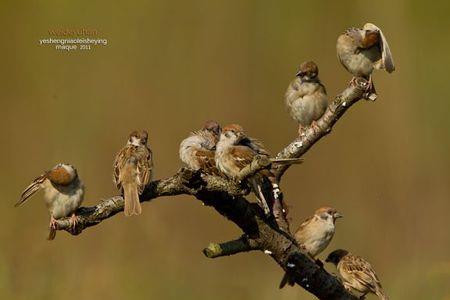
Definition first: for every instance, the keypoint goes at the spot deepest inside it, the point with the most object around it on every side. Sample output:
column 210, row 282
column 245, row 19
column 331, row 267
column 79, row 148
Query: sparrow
column 198, row 150
column 133, row 169
column 235, row 150
column 315, row 234
column 357, row 274
column 63, row 194
column 306, row 97
column 361, row 50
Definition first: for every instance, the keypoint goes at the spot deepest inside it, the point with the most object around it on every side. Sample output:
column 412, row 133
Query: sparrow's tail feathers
column 51, row 234
column 30, row 190
column 257, row 189
column 131, row 196
column 381, row 294
column 287, row 161
column 286, row 279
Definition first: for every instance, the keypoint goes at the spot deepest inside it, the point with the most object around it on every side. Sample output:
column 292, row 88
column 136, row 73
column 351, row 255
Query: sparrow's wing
column 387, row 61
column 254, row 144
column 145, row 167
column 31, row 189
column 361, row 271
column 242, row 155
column 206, row 161
column 301, row 232
column 119, row 162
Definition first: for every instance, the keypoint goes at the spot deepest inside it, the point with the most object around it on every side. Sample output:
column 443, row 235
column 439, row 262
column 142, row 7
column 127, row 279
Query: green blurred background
column 169, row 66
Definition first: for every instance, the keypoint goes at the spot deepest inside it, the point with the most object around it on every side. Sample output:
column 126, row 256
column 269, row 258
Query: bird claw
column 315, row 127
column 73, row 221
column 354, row 81
column 370, row 93
column 53, row 224
column 301, row 131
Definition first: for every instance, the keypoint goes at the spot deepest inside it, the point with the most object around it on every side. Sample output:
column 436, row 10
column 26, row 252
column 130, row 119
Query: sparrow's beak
column 299, row 73
column 337, row 215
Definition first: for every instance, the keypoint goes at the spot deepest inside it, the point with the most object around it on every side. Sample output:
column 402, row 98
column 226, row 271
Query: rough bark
column 228, row 198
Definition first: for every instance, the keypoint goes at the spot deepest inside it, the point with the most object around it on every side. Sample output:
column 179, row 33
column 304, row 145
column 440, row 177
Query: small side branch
column 242, row 244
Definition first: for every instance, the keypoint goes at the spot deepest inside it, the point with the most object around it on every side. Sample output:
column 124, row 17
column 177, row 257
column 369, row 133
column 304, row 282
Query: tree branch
column 352, row 94
column 242, row 244
column 227, row 197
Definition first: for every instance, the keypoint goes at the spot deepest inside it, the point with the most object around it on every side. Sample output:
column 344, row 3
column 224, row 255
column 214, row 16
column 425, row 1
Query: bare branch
column 242, row 244
column 185, row 181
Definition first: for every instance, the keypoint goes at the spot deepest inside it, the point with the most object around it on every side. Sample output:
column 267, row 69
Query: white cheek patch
column 135, row 141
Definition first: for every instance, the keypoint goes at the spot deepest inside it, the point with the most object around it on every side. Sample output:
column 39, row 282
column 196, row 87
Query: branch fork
column 270, row 235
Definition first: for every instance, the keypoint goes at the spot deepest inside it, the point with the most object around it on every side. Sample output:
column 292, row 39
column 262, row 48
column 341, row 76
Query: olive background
column 171, row 65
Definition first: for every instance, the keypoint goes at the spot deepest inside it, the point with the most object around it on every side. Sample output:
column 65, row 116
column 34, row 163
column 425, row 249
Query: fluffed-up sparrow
column 198, row 150
column 357, row 274
column 361, row 50
column 63, row 194
column 306, row 97
column 315, row 234
column 133, row 169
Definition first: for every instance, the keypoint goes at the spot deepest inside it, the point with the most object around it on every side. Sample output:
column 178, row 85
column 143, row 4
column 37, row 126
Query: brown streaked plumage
column 361, row 50
column 198, row 150
column 231, row 158
column 315, row 234
column 133, row 169
column 235, row 151
column 306, row 97
column 63, row 194
column 357, row 274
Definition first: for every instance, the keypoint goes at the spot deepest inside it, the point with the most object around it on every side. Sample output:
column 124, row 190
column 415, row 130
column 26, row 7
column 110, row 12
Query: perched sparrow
column 133, row 171
column 63, row 194
column 315, row 234
column 306, row 97
column 197, row 151
column 235, row 151
column 362, row 50
column 357, row 274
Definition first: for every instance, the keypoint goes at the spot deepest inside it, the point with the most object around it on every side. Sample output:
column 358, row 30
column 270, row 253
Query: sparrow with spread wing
column 357, row 274
column 133, row 168
column 361, row 50
column 63, row 194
